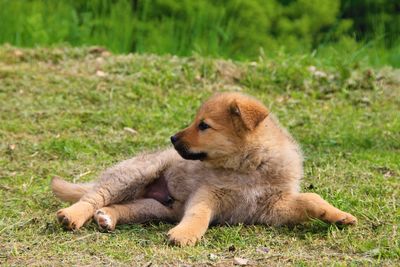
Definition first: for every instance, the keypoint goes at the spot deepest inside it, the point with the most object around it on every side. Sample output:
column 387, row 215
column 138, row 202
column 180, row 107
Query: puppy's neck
column 248, row 160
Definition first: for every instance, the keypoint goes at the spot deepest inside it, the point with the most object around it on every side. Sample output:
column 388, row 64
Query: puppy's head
column 222, row 126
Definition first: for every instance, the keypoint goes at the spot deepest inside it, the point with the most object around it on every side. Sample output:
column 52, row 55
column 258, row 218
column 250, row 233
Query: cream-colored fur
column 249, row 170
column 69, row 192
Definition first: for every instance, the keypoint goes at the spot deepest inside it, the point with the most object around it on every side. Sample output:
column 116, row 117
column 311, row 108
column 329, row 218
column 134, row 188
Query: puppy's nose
column 174, row 139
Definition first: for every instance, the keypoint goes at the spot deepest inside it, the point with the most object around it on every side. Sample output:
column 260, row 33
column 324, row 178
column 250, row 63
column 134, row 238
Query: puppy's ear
column 247, row 113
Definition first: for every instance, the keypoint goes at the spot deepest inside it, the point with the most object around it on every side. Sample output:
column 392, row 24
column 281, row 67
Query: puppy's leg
column 298, row 208
column 199, row 212
column 123, row 182
column 138, row 211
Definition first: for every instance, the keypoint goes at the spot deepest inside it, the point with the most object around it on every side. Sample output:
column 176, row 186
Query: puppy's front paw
column 183, row 236
column 104, row 220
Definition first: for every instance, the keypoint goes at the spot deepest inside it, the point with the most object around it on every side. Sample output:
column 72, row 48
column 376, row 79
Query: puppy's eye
column 203, row 126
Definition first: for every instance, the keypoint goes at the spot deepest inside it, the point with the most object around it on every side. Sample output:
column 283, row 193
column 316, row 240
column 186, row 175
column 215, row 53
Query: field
column 75, row 111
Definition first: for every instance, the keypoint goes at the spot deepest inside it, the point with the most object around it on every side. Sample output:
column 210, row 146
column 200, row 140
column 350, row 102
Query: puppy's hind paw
column 104, row 220
column 347, row 219
column 75, row 216
column 68, row 221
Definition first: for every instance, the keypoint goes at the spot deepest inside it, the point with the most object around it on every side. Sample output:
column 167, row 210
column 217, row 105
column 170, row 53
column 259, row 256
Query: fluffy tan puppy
column 233, row 164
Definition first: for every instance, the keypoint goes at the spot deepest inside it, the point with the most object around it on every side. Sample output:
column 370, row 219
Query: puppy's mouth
column 185, row 153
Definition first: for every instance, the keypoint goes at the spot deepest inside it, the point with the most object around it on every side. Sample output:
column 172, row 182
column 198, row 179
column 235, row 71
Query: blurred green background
column 239, row 29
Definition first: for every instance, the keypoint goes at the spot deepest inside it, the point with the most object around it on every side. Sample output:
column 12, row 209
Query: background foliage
column 238, row 29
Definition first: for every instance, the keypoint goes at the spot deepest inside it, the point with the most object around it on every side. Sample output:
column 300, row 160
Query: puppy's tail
column 67, row 191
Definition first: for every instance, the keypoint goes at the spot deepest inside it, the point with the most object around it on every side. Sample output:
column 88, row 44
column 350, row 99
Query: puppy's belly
column 254, row 201
column 158, row 190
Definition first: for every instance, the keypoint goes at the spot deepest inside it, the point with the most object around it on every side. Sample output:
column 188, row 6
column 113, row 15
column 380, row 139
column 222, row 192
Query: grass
column 63, row 111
